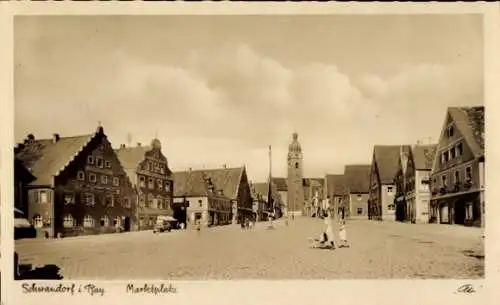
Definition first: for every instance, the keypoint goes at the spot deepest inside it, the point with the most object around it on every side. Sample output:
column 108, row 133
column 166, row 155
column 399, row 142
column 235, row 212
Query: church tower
column 295, row 174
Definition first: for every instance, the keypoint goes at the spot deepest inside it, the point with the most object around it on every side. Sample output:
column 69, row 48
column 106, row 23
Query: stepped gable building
column 147, row 169
column 457, row 176
column 382, row 187
column 79, row 185
column 232, row 181
column 357, row 182
column 412, row 184
column 201, row 199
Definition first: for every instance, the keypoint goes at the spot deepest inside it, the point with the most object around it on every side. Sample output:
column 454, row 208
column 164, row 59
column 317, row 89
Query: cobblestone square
column 379, row 250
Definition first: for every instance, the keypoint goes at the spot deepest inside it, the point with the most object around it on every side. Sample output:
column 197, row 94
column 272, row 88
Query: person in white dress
column 343, row 235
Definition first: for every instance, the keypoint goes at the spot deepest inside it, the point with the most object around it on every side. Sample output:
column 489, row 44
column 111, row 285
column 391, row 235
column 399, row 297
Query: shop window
column 104, row 221
column 88, row 221
column 68, row 221
column 38, row 221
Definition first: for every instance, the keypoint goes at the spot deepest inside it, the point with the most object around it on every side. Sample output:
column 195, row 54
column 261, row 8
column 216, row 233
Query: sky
column 218, row 90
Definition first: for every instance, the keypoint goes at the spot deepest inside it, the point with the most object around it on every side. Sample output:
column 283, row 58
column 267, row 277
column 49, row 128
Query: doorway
column 459, row 213
column 126, row 224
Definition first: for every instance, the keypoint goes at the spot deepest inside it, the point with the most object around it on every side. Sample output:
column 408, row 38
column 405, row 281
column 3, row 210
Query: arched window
column 68, row 221
column 38, row 221
column 104, row 221
column 88, row 221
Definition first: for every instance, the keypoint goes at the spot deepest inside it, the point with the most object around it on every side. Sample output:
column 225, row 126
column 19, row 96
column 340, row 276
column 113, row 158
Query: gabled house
column 147, row 168
column 79, row 185
column 383, row 169
column 335, row 192
column 457, row 176
column 357, row 183
column 282, row 187
column 22, row 177
column 412, row 184
column 234, row 184
column 203, row 199
column 260, row 195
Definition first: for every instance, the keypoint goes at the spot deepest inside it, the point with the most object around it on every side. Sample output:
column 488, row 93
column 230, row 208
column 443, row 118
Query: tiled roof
column 313, row 181
column 46, row 158
column 357, row 178
column 190, row 184
column 335, row 185
column 387, row 158
column 227, row 179
column 130, row 158
column 470, row 122
column 281, row 184
column 423, row 156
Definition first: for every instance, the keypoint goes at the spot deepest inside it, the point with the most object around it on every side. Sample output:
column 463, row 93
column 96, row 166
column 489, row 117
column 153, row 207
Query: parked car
column 165, row 224
column 22, row 227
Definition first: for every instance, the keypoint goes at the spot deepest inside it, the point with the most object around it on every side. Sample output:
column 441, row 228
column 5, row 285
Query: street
column 379, row 250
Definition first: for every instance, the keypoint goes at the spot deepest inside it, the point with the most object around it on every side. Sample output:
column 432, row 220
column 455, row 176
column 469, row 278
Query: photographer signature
column 466, row 289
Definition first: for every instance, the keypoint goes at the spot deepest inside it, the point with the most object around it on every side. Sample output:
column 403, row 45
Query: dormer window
column 90, row 160
column 450, row 131
column 107, row 164
column 459, row 149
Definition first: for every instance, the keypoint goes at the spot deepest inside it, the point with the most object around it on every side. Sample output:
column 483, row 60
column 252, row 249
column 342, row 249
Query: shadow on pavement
column 47, row 272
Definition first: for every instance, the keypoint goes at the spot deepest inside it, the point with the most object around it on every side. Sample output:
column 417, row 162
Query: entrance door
column 459, row 213
column 126, row 224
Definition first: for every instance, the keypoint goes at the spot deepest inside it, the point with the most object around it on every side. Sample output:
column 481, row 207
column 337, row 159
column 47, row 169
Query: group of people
column 327, row 237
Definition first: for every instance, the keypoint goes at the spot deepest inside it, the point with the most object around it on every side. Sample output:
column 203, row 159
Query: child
column 343, row 235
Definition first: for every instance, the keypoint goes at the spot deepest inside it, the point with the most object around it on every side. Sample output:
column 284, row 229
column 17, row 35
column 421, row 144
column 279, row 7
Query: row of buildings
column 431, row 183
column 80, row 185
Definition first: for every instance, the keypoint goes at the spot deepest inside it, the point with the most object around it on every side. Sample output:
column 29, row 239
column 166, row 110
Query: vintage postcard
column 214, row 152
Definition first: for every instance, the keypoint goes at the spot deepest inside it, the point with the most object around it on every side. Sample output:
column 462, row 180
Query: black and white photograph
column 209, row 147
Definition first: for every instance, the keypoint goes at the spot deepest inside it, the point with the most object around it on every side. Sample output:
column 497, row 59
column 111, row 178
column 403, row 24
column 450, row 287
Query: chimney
column 55, row 137
column 138, row 144
column 122, row 145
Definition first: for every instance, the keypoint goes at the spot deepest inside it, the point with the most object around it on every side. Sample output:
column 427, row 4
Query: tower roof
column 295, row 145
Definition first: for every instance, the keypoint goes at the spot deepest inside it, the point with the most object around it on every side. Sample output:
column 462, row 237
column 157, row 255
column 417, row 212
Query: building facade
column 335, row 194
column 295, row 204
column 80, row 187
column 313, row 194
column 22, row 177
column 383, row 169
column 357, row 184
column 412, row 184
column 457, row 176
column 148, row 170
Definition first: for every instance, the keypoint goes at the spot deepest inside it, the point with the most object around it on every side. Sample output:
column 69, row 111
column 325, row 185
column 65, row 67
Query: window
column 360, row 211
column 296, row 164
column 90, row 159
column 38, row 221
column 391, row 207
column 116, row 181
column 68, row 198
column 99, row 162
column 459, row 149
column 160, row 203
column 104, row 221
column 162, row 170
column 126, row 202
column 446, row 156
column 453, row 153
column 151, row 183
column 443, row 181
column 154, row 203
column 104, row 179
column 150, row 201
column 109, row 201
column 44, row 198
column 92, row 178
column 450, row 131
column 468, row 173
column 141, row 221
column 88, row 221
column 117, row 221
column 167, row 186
column 390, row 189
column 80, row 175
column 359, row 197
column 159, row 184
column 142, row 201
column 142, row 181
column 200, row 203
column 88, row 199
column 457, row 177
column 68, row 221
column 107, row 164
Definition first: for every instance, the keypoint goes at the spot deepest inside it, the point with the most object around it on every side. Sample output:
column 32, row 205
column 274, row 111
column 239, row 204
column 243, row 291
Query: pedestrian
column 343, row 235
column 327, row 239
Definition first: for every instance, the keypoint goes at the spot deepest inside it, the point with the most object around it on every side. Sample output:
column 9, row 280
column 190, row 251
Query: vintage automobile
column 164, row 224
column 22, row 227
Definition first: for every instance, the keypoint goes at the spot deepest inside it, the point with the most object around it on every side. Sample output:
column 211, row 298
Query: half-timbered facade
column 148, row 170
column 457, row 177
column 80, row 187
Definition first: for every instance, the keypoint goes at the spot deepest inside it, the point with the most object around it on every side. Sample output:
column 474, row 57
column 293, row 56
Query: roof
column 335, row 185
column 227, row 179
column 387, row 160
column 313, row 182
column 130, row 158
column 281, row 184
column 190, row 184
column 423, row 156
column 470, row 123
column 46, row 158
column 357, row 178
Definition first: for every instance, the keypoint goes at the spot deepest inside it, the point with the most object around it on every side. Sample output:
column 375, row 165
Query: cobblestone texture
column 378, row 250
